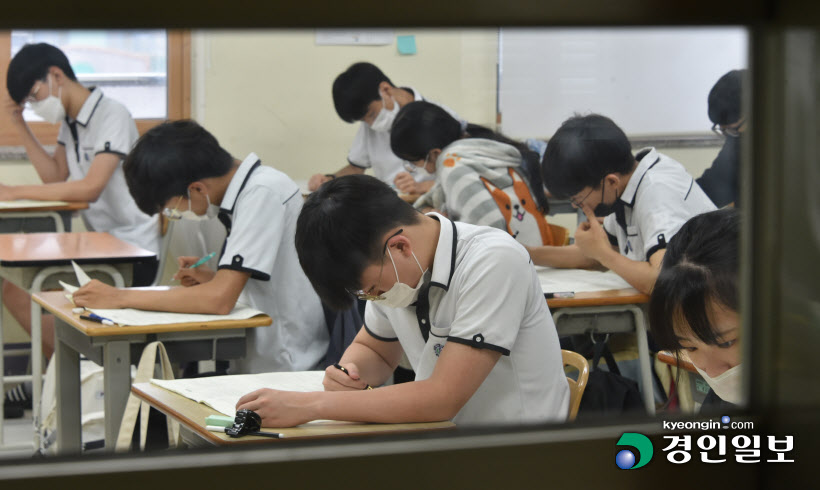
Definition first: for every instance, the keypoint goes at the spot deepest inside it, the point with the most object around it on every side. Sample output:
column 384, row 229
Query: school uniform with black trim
column 371, row 149
column 483, row 292
column 658, row 199
column 259, row 211
column 103, row 125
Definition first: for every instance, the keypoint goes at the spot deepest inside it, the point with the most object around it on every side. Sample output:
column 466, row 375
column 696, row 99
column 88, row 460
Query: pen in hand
column 202, row 260
column 344, row 370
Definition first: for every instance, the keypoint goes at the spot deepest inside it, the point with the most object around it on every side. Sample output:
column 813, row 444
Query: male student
column 363, row 93
column 721, row 182
column 95, row 134
column 180, row 169
column 462, row 301
column 644, row 200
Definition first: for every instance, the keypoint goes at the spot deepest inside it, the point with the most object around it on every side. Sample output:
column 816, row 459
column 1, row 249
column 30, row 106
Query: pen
column 344, row 370
column 561, row 294
column 97, row 318
column 203, row 260
column 274, row 435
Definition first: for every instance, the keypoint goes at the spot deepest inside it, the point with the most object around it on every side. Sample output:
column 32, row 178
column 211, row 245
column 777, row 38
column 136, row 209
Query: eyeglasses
column 412, row 167
column 173, row 214
column 577, row 203
column 32, row 97
column 734, row 130
column 367, row 295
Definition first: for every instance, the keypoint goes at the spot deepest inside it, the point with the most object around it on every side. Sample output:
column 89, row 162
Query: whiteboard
column 650, row 81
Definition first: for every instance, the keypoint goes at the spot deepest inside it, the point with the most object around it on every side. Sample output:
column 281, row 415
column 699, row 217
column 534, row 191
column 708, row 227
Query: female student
column 482, row 177
column 693, row 306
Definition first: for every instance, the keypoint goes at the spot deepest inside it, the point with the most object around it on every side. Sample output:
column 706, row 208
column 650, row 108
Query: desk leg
column 117, row 385
column 69, row 423
column 644, row 359
column 36, row 369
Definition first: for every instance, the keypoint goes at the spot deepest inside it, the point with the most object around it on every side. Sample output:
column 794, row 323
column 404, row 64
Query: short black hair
column 726, row 98
column 168, row 158
column 583, row 151
column 699, row 268
column 420, row 127
column 30, row 64
column 355, row 88
column 340, row 233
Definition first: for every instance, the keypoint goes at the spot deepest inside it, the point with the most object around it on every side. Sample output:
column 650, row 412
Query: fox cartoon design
column 524, row 222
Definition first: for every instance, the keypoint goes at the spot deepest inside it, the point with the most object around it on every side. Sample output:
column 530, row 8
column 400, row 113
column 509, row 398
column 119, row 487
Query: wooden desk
column 36, row 261
column 191, row 416
column 113, row 347
column 607, row 311
column 57, row 211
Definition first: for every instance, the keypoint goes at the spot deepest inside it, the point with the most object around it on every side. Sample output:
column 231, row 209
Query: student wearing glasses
column 462, row 301
column 179, row 168
column 95, row 134
column 720, row 181
column 634, row 203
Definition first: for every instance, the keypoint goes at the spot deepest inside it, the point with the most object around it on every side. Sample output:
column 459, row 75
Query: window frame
column 179, row 90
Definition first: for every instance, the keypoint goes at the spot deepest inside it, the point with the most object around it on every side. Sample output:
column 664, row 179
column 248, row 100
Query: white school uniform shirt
column 484, row 293
column 658, row 199
column 371, row 149
column 259, row 211
column 103, row 125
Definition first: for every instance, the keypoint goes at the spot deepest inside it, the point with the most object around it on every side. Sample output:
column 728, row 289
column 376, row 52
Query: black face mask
column 603, row 210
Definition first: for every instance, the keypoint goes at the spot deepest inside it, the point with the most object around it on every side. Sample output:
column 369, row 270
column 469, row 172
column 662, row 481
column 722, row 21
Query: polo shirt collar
column 89, row 106
column 444, row 261
column 647, row 158
column 240, row 178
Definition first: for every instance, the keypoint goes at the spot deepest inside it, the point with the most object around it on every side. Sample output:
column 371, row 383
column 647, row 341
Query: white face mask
column 384, row 120
column 726, row 385
column 51, row 108
column 401, row 295
column 210, row 213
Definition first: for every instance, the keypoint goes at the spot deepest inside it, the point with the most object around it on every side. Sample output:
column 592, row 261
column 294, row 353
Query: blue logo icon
column 725, row 419
column 625, row 459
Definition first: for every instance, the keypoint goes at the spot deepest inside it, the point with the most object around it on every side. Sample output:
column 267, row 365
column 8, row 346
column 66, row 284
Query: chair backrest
column 576, row 387
column 560, row 235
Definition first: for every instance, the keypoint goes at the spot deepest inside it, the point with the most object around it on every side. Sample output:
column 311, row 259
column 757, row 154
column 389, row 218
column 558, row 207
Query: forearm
column 373, row 368
column 46, row 166
column 423, row 187
column 75, row 190
column 203, row 298
column 640, row 275
column 416, row 401
column 567, row 257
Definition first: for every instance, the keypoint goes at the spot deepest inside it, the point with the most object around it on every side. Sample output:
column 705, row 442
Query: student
column 694, row 305
column 363, row 93
column 482, row 177
column 720, row 181
column 644, row 198
column 462, row 301
column 95, row 134
column 180, row 169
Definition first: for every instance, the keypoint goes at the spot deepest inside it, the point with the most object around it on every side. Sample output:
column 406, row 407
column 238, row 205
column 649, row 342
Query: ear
column 612, row 179
column 198, row 186
column 401, row 244
column 434, row 154
column 385, row 89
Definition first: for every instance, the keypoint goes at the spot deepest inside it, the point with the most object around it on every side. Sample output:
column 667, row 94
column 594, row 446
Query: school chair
column 166, row 227
column 560, row 235
column 576, row 387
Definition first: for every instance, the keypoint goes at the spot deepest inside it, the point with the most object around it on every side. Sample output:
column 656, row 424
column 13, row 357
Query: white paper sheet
column 29, row 203
column 222, row 392
column 578, row 280
column 133, row 317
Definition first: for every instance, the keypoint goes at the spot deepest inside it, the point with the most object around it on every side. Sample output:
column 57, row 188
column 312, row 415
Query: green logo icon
column 625, row 459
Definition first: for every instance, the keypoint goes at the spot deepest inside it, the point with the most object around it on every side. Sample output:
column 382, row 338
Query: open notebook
column 578, row 280
column 222, row 392
column 134, row 317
